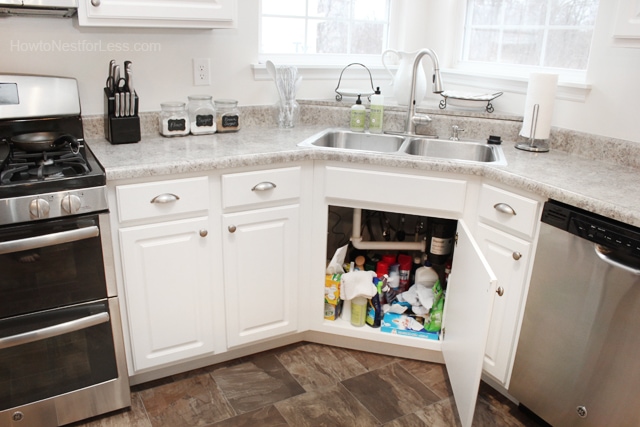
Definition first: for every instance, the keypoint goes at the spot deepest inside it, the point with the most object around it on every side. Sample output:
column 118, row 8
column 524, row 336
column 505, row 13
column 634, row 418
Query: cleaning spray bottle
column 358, row 116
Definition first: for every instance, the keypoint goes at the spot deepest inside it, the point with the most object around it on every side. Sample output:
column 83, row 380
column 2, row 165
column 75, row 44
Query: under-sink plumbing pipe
column 358, row 243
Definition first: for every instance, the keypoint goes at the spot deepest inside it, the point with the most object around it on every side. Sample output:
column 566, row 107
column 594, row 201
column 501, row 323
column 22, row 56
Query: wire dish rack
column 468, row 100
column 354, row 92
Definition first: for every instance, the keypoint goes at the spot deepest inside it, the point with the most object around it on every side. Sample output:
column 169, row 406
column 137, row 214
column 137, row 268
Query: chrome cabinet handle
column 504, row 208
column 95, row 3
column 203, row 233
column 54, row 331
column 49, row 240
column 517, row 255
column 500, row 291
column 165, row 198
column 264, row 186
column 232, row 229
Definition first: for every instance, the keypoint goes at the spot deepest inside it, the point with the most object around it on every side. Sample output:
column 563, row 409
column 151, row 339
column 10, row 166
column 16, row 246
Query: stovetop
column 31, row 173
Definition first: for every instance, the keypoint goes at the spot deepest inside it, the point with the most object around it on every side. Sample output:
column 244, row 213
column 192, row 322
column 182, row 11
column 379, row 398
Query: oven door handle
column 49, row 240
column 53, row 331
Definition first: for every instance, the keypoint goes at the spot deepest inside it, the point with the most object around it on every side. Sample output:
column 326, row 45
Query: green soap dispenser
column 358, row 116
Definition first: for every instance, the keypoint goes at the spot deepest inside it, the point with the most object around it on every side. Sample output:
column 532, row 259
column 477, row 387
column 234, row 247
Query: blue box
column 403, row 324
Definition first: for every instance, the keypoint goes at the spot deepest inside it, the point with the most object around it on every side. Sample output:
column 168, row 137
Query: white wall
column 611, row 109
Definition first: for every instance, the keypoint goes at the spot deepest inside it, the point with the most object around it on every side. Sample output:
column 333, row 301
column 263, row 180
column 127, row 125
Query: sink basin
column 346, row 140
column 455, row 150
column 463, row 151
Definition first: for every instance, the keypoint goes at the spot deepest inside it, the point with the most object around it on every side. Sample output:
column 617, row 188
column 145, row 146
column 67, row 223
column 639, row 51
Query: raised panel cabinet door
column 508, row 257
column 469, row 300
column 153, row 13
column 167, row 280
column 260, row 252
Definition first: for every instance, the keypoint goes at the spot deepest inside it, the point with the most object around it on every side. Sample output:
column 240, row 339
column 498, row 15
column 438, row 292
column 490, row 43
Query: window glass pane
column 279, row 7
column 330, row 8
column 283, row 35
column 525, row 12
column 540, row 33
column 370, row 10
column 574, row 12
column 485, row 12
column 522, row 47
column 484, row 45
column 567, row 47
column 367, row 38
column 324, row 26
column 331, row 36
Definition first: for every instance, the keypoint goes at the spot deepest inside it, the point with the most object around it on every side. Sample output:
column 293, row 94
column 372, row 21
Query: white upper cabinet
column 627, row 25
column 158, row 13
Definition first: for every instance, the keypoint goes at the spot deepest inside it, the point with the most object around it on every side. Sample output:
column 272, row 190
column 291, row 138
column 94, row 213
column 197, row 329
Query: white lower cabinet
column 260, row 252
column 166, row 270
column 507, row 255
column 506, row 231
column 471, row 285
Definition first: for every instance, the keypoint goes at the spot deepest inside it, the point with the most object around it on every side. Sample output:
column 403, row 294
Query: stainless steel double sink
column 408, row 145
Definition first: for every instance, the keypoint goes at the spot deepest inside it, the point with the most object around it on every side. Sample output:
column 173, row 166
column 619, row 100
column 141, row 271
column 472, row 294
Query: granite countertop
column 601, row 187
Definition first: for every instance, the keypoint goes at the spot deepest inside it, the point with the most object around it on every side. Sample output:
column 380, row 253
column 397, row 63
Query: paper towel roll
column 541, row 91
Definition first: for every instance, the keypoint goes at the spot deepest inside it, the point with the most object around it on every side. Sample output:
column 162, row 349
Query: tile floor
column 308, row 384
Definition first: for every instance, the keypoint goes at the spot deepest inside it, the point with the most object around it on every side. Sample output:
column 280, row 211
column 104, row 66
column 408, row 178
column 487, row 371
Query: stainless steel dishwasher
column 578, row 356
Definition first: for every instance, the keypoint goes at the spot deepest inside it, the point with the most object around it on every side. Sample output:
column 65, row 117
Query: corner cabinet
column 471, row 285
column 165, row 257
column 164, row 14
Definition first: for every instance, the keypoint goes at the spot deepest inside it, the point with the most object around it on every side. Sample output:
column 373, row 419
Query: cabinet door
column 167, row 284
column 152, row 13
column 470, row 295
column 261, row 273
column 508, row 257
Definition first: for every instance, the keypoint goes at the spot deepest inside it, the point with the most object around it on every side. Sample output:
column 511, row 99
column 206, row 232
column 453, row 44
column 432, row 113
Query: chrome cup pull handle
column 504, row 208
column 165, row 198
column 263, row 186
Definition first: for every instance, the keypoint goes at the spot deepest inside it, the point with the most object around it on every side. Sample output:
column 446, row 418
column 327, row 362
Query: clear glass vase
column 287, row 113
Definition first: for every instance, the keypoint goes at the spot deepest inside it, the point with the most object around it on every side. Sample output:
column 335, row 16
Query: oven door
column 62, row 365
column 50, row 264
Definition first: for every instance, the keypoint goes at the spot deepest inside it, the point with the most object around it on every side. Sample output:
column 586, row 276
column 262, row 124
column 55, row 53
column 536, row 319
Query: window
column 327, row 27
column 530, row 33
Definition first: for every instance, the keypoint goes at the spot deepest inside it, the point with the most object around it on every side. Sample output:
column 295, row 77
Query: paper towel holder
column 538, row 146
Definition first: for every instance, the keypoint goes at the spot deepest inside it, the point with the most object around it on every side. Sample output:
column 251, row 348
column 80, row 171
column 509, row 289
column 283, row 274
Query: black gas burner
column 22, row 166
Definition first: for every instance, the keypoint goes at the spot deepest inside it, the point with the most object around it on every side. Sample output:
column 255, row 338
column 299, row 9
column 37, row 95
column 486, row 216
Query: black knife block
column 120, row 130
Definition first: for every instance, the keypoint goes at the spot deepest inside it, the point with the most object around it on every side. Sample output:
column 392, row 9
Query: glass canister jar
column 202, row 115
column 174, row 120
column 227, row 115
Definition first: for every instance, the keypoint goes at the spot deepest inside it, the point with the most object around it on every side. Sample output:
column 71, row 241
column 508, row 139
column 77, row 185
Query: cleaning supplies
column 358, row 116
column 358, row 311
column 426, row 275
column 377, row 112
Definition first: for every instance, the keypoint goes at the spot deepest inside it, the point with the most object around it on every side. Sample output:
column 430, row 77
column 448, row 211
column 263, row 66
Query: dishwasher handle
column 601, row 252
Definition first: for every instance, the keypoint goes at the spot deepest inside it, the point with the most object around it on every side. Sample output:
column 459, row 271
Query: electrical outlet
column 201, row 71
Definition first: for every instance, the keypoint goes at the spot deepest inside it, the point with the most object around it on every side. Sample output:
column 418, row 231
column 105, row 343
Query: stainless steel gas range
column 61, row 348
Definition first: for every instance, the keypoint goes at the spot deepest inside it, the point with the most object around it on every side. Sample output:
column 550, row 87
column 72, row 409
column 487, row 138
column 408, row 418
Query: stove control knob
column 71, row 204
column 39, row 208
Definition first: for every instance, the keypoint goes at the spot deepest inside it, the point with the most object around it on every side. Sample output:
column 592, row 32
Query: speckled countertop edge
column 606, row 188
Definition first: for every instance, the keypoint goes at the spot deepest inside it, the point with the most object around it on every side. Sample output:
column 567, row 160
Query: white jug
column 402, row 80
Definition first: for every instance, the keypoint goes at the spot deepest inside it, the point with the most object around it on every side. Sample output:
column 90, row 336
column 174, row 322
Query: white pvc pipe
column 358, row 243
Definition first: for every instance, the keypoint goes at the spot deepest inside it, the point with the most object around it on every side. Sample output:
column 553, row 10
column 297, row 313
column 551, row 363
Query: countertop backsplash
column 475, row 125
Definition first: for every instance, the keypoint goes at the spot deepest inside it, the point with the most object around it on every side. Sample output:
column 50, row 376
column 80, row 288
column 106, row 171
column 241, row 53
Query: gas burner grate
column 22, row 166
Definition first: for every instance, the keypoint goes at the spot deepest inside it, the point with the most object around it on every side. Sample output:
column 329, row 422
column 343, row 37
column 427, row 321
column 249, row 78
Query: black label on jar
column 174, row 125
column 230, row 121
column 204, row 120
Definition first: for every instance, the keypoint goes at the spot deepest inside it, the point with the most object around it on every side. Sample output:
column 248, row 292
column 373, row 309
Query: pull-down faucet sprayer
column 412, row 117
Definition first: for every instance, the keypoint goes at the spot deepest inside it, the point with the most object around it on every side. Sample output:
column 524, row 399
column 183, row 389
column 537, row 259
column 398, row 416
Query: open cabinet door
column 469, row 300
